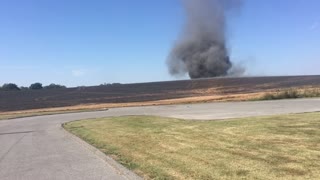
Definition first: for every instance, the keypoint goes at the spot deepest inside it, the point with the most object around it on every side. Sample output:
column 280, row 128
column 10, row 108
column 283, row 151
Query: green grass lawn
column 282, row 147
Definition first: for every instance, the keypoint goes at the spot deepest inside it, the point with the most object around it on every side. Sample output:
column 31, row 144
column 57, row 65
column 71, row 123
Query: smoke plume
column 201, row 50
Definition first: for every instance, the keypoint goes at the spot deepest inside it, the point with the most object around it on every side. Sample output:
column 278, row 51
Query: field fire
column 171, row 92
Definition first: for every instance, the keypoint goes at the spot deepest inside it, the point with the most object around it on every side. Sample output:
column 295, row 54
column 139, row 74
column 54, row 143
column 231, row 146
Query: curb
column 123, row 171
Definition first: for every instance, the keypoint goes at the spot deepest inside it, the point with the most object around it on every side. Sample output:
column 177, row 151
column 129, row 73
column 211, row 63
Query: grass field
column 282, row 147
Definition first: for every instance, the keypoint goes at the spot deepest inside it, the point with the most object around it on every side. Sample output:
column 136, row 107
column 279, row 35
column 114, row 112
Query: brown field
column 156, row 93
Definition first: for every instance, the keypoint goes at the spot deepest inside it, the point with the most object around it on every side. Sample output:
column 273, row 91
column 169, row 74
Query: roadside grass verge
column 290, row 94
column 15, row 116
column 281, row 147
column 7, row 116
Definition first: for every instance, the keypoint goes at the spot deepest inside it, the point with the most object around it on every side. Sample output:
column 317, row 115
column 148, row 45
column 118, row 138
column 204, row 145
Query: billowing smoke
column 201, row 50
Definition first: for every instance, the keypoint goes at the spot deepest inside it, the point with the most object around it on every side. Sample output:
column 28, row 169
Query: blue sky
column 81, row 42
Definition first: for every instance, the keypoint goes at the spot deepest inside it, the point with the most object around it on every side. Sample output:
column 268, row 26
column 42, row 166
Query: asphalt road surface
column 38, row 148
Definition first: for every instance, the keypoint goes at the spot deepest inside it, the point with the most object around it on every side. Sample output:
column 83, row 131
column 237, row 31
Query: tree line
column 34, row 86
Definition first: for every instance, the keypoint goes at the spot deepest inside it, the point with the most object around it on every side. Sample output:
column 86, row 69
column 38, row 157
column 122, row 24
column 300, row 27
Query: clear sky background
column 81, row 42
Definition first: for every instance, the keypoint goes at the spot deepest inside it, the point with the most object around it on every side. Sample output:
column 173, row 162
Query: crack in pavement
column 11, row 147
column 22, row 132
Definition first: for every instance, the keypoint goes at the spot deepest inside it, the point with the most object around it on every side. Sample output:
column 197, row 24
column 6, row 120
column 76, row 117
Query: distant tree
column 104, row 84
column 55, row 86
column 116, row 84
column 36, row 86
column 110, row 84
column 10, row 87
column 24, row 88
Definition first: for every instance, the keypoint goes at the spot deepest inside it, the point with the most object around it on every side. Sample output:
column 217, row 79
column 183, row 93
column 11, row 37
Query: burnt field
column 145, row 92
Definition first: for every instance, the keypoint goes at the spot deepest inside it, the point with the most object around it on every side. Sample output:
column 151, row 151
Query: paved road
column 38, row 148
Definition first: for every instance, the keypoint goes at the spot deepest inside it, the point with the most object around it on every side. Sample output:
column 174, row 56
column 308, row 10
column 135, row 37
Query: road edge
column 126, row 173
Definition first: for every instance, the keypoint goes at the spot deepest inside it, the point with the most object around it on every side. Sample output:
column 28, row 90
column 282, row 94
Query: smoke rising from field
column 201, row 50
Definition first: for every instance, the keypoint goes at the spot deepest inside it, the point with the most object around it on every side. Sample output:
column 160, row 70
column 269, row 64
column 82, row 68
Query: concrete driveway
column 38, row 148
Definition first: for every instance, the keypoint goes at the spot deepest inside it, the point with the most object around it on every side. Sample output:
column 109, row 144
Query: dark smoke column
column 201, row 49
